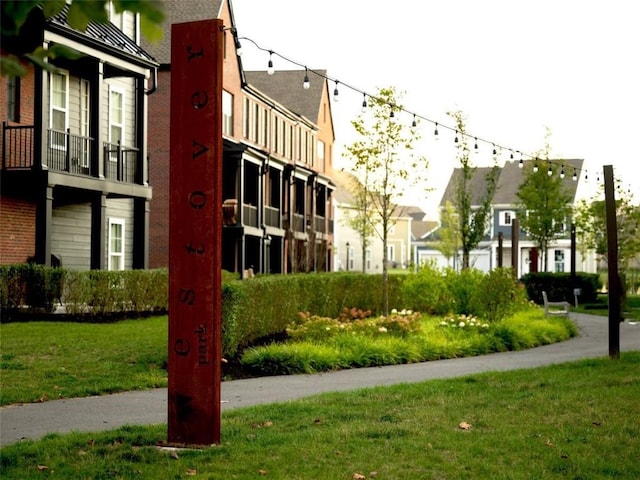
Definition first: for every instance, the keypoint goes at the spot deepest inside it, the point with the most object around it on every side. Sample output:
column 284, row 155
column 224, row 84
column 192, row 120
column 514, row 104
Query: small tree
column 383, row 157
column 472, row 219
column 362, row 220
column 450, row 240
column 544, row 206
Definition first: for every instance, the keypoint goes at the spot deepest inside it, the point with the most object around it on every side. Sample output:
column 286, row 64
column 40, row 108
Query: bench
column 555, row 308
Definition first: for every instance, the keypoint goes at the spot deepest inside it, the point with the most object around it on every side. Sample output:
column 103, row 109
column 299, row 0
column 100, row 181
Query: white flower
column 327, row 328
column 382, row 330
column 443, row 323
column 394, row 311
column 461, row 324
column 409, row 312
column 485, row 325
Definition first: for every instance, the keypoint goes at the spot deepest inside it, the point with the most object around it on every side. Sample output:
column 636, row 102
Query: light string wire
column 496, row 147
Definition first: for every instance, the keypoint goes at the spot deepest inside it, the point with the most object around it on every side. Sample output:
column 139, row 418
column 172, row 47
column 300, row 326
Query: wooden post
column 500, row 240
column 195, row 230
column 615, row 293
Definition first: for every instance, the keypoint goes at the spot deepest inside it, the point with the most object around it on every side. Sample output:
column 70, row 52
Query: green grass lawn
column 48, row 360
column 43, row 361
column 572, row 421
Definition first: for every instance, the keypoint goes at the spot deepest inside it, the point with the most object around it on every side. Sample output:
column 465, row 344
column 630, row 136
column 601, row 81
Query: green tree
column 591, row 228
column 360, row 218
column 384, row 151
column 449, row 232
column 472, row 219
column 544, row 207
column 15, row 14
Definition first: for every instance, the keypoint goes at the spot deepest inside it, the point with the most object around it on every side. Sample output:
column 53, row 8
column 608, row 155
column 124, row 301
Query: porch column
column 97, row 93
column 98, row 231
column 141, row 233
column 44, row 214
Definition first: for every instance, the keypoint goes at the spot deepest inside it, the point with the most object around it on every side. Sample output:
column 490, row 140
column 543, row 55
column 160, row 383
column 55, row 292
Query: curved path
column 33, row 421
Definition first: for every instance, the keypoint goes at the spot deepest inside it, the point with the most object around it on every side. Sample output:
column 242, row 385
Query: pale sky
column 513, row 67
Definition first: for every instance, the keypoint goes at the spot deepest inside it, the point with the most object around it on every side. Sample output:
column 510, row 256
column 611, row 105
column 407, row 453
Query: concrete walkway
column 33, row 421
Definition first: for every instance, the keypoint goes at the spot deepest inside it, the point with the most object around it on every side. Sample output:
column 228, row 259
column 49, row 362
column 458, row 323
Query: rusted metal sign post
column 615, row 288
column 195, row 226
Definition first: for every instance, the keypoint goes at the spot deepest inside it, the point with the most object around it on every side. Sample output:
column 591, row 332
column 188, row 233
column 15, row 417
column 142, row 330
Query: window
column 227, row 113
column 391, row 254
column 13, row 99
column 59, row 107
column 84, row 124
column 116, row 119
column 558, row 261
column 351, row 254
column 116, row 244
column 506, row 217
column 320, row 155
column 367, row 258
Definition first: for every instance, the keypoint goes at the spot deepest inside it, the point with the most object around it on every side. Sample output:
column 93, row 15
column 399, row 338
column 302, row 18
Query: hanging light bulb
column 521, row 162
column 435, row 132
column 270, row 69
column 455, row 140
column 391, row 114
column 364, row 102
column 562, row 172
column 475, row 145
column 511, row 155
column 535, row 166
column 494, row 152
column 306, row 84
column 575, row 176
column 414, row 123
column 335, row 92
column 550, row 170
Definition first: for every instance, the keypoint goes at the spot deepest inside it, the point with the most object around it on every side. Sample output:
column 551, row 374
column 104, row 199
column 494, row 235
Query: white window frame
column 558, row 264
column 227, row 113
column 85, row 118
column 112, row 254
column 391, row 253
column 367, row 259
column 113, row 90
column 64, row 109
column 506, row 218
column 352, row 263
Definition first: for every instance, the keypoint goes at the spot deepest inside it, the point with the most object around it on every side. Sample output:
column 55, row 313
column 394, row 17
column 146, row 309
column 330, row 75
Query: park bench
column 555, row 308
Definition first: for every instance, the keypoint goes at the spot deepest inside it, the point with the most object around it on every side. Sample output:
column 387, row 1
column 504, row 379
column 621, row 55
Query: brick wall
column 158, row 146
column 17, row 231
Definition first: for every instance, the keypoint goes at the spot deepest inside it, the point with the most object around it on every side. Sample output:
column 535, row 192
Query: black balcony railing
column 69, row 153
column 17, row 147
column 120, row 163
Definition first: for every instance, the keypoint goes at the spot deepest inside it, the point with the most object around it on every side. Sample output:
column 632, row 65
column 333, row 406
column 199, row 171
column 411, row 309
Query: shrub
column 427, row 291
column 498, row 295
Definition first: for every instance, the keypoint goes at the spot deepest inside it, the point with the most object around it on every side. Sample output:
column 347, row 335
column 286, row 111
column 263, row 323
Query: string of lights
column 552, row 165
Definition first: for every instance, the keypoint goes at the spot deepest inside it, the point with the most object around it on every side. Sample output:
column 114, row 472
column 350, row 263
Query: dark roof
column 181, row 11
column 477, row 184
column 509, row 181
column 104, row 34
column 512, row 176
column 285, row 87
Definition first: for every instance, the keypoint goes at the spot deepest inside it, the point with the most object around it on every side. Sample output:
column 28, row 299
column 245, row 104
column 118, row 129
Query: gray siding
column 71, row 235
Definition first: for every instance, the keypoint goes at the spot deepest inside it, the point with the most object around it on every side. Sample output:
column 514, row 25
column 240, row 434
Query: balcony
column 69, row 153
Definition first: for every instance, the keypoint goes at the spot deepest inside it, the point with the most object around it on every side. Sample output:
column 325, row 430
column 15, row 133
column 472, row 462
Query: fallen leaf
column 596, row 424
column 42, row 468
column 549, row 443
column 465, row 426
column 267, row 424
column 373, row 474
column 358, row 476
column 192, row 472
column 263, row 472
column 317, row 421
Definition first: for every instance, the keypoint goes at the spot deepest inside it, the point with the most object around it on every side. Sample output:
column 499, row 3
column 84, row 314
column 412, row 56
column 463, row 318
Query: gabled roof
column 510, row 178
column 420, row 229
column 101, row 35
column 281, row 86
column 477, row 185
column 181, row 11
